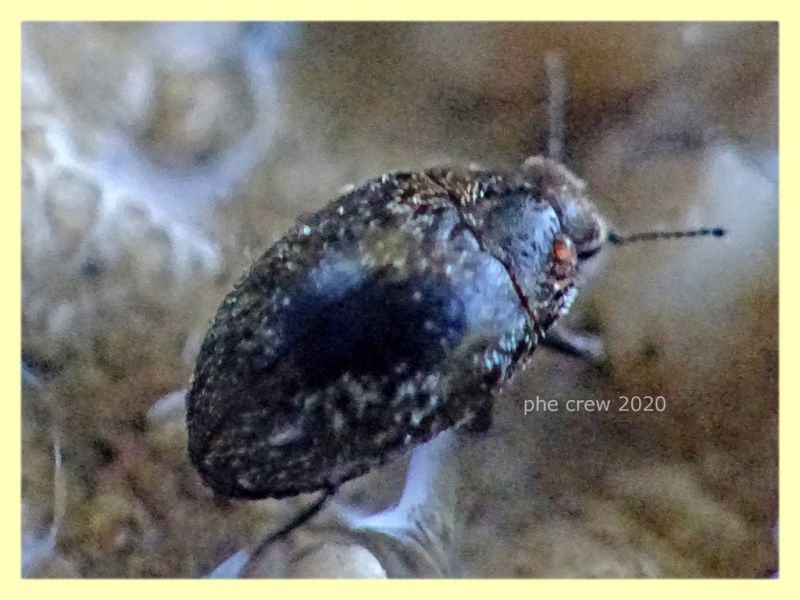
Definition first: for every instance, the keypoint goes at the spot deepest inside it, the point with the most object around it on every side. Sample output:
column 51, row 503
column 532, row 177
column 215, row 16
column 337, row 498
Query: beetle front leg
column 581, row 344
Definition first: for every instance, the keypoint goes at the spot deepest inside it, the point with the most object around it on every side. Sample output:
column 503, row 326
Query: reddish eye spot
column 564, row 250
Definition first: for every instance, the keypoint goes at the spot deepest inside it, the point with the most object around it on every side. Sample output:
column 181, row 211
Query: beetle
column 394, row 313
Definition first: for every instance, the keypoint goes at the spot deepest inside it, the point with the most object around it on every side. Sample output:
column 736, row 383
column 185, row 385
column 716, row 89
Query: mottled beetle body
column 390, row 315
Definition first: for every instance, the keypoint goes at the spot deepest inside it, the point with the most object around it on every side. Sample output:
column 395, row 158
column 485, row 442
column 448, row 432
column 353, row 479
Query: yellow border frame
column 767, row 10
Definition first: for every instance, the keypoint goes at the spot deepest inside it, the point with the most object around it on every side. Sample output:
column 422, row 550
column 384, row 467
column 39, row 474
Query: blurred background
column 159, row 160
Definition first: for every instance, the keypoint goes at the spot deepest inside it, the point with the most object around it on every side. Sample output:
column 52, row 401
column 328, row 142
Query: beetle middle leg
column 480, row 419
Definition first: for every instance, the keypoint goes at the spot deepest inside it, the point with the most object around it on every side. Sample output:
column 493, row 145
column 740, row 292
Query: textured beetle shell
column 390, row 315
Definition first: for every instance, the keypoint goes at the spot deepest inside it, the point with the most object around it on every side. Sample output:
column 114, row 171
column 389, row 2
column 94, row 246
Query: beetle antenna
column 648, row 236
column 556, row 98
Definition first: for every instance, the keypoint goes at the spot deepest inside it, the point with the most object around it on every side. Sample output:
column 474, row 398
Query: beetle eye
column 564, row 250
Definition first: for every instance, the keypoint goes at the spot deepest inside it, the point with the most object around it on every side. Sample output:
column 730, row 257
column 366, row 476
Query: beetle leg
column 480, row 418
column 586, row 346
